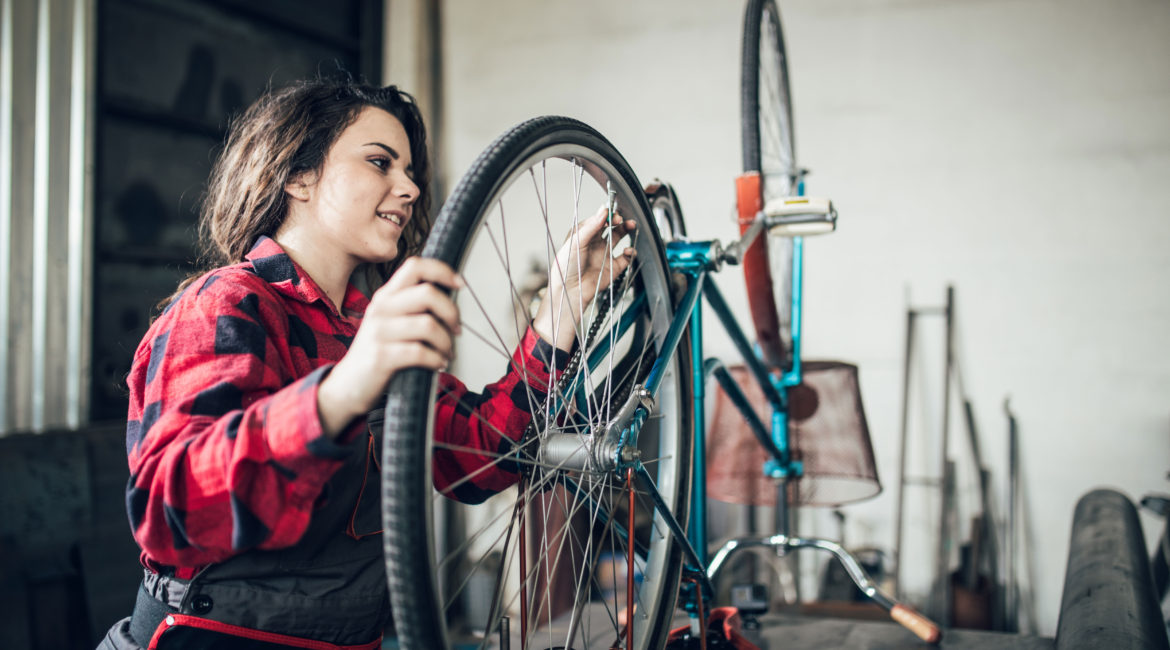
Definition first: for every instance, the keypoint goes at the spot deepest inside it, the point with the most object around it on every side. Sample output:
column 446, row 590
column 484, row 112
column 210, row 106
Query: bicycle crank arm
column 734, row 252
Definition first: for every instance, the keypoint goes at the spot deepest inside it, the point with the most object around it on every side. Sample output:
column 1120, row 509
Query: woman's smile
column 355, row 209
column 397, row 218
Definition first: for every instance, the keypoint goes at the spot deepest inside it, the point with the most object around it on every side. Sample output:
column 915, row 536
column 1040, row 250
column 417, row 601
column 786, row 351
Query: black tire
column 769, row 148
column 420, row 581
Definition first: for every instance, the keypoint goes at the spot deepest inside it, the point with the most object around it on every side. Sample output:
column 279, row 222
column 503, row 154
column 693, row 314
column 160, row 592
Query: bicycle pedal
column 800, row 216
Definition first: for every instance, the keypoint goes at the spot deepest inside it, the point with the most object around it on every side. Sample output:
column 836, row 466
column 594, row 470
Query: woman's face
column 355, row 209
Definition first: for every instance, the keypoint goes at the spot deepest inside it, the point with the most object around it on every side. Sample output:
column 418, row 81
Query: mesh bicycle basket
column 827, row 433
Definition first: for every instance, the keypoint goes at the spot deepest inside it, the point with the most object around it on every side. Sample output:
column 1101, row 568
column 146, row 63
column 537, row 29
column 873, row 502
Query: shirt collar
column 275, row 267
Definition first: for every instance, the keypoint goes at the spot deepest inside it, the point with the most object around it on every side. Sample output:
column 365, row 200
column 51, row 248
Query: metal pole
column 783, row 521
column 900, row 509
column 942, row 557
column 793, row 376
column 1011, row 587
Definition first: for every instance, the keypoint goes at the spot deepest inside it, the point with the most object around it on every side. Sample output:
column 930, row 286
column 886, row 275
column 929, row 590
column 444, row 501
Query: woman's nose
column 406, row 188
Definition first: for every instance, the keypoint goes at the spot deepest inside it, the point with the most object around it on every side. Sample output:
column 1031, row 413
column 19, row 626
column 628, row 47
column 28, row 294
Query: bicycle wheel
column 543, row 561
column 768, row 148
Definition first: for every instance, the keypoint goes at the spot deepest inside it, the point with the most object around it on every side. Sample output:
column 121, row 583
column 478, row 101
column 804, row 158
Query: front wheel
column 502, row 517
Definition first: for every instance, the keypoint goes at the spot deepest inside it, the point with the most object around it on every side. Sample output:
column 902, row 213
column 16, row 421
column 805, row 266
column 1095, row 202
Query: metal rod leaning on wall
column 942, row 597
column 939, row 588
column 911, row 315
column 980, row 577
column 1011, row 593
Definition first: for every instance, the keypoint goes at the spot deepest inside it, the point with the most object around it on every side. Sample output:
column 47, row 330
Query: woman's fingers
column 417, row 355
column 419, row 269
column 416, row 328
column 410, row 322
column 621, row 227
column 601, row 256
column 588, row 256
column 412, row 309
column 590, row 228
column 585, row 265
column 419, row 286
column 592, row 231
column 595, row 235
column 623, row 261
column 417, row 299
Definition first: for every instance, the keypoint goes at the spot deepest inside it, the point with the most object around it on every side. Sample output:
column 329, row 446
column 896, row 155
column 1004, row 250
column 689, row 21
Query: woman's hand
column 409, row 323
column 584, row 266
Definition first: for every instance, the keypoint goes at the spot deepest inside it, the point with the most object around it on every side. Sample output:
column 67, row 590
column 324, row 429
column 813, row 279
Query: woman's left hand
column 584, row 265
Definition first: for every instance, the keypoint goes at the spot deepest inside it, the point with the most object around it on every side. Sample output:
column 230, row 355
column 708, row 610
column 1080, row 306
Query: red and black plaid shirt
column 224, row 440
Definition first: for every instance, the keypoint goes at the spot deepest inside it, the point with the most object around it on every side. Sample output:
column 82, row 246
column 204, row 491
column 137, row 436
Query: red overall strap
column 173, row 621
column 370, row 454
column 724, row 622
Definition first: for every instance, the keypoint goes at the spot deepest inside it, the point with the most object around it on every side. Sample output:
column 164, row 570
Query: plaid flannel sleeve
column 226, row 450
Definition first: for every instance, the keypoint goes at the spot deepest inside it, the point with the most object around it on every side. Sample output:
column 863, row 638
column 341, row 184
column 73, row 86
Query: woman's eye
column 381, row 163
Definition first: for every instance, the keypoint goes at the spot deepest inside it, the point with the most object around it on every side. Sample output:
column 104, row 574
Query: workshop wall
column 110, row 116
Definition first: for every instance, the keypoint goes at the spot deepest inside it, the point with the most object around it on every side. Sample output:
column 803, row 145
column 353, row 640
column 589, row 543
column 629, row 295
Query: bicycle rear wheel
column 768, row 148
column 544, row 559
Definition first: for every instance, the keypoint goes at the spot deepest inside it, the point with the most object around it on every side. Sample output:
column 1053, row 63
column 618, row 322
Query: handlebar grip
column 921, row 626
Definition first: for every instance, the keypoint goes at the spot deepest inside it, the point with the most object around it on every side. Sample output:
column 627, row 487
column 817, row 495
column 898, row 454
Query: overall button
column 201, row 604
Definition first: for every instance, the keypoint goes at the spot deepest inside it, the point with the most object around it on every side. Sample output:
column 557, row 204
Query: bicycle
column 606, row 528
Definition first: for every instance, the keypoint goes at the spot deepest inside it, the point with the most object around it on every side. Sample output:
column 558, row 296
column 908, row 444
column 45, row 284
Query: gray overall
column 328, row 587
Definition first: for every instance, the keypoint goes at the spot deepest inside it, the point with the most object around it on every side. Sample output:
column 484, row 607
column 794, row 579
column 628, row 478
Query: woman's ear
column 298, row 187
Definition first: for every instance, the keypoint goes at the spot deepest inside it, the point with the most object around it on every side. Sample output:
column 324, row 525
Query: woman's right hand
column 409, row 323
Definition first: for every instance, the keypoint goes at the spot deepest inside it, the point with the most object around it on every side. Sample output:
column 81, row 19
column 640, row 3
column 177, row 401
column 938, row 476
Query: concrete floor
column 795, row 632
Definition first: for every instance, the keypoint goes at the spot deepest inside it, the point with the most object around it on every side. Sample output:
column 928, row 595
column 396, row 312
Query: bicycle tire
column 768, row 148
column 424, row 599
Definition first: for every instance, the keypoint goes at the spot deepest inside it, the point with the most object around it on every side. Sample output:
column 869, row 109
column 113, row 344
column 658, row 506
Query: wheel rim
column 777, row 159
column 569, row 564
column 775, row 148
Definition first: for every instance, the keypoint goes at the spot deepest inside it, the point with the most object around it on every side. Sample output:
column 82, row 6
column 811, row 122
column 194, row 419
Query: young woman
column 253, row 487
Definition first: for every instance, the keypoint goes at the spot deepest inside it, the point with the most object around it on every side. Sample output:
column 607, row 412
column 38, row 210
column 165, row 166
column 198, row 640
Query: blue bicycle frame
column 697, row 260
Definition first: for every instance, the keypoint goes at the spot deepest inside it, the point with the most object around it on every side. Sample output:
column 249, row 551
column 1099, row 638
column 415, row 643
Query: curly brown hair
column 289, row 131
